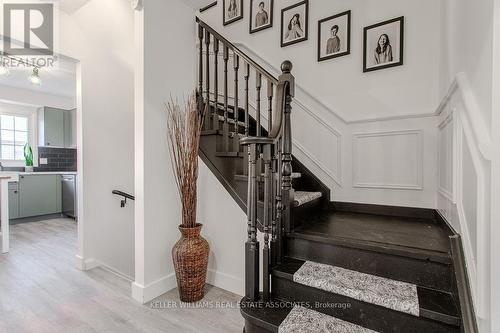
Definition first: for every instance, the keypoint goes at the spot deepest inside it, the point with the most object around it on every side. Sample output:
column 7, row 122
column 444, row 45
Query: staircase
column 326, row 266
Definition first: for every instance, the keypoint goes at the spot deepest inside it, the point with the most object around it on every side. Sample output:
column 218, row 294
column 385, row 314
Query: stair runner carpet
column 302, row 320
column 301, row 197
column 395, row 295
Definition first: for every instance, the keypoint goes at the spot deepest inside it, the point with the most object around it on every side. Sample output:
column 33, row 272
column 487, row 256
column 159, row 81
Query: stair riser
column 220, row 145
column 251, row 328
column 364, row 314
column 303, row 211
column 423, row 273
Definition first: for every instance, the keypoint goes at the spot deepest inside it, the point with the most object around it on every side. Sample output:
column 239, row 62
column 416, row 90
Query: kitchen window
column 14, row 133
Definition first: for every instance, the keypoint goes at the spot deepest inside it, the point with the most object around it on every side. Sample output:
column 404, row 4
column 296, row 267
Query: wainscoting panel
column 464, row 180
column 388, row 160
column 320, row 142
column 445, row 158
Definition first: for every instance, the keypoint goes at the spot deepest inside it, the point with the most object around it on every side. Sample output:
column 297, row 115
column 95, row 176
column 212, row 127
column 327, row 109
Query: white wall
column 166, row 67
column 464, row 184
column 493, row 262
column 100, row 36
column 225, row 233
column 30, row 97
column 465, row 160
column 469, row 47
column 340, row 83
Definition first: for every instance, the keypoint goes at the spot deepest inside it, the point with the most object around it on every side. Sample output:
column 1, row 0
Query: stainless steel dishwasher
column 68, row 195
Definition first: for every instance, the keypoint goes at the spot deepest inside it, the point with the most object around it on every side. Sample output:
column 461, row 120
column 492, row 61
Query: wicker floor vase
column 190, row 255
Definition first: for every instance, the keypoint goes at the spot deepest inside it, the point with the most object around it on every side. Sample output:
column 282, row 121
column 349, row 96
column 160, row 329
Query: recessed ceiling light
column 35, row 77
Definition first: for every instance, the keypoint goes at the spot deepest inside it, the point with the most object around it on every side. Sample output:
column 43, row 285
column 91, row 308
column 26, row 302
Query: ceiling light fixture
column 35, row 77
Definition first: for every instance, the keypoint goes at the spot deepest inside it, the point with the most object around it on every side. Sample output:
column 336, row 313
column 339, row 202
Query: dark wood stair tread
column 230, row 154
column 417, row 233
column 244, row 178
column 434, row 305
column 211, row 132
column 261, row 315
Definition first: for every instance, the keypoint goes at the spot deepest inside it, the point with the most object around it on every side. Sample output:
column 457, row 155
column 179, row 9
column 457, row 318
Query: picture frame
column 334, row 36
column 232, row 11
column 295, row 23
column 383, row 45
column 261, row 15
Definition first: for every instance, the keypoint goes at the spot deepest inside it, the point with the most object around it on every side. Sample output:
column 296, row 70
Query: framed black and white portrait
column 294, row 23
column 233, row 11
column 261, row 15
column 334, row 36
column 383, row 45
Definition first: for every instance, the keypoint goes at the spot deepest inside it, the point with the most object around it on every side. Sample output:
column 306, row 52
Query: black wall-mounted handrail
column 125, row 197
column 207, row 7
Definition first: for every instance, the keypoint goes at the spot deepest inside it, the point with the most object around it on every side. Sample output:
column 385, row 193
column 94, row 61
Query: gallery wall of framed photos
column 362, row 59
column 383, row 42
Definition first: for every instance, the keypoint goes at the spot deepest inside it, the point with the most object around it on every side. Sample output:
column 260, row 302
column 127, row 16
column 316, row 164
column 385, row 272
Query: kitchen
column 49, row 190
column 38, row 149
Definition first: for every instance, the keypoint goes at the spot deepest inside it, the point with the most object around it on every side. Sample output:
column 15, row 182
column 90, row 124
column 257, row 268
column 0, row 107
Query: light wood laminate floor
column 42, row 291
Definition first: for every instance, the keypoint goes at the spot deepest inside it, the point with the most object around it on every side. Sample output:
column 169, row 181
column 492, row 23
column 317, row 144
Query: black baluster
column 270, row 106
column 207, row 78
column 225, row 126
column 247, row 110
column 200, row 69
column 267, row 217
column 236, row 138
column 216, row 85
column 274, row 205
column 258, row 84
column 279, row 207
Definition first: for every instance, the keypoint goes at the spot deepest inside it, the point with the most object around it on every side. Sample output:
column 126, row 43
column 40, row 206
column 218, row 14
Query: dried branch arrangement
column 184, row 130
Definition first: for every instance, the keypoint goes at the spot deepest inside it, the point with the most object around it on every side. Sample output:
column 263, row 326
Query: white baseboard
column 144, row 294
column 86, row 264
column 227, row 282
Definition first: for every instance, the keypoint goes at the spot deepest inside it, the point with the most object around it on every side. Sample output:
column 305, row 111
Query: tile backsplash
column 58, row 159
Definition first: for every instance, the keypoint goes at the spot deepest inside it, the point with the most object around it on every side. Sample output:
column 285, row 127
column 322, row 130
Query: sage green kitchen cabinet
column 13, row 200
column 39, row 195
column 70, row 128
column 56, row 128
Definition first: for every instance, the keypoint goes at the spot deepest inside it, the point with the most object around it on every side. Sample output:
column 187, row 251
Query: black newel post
column 252, row 245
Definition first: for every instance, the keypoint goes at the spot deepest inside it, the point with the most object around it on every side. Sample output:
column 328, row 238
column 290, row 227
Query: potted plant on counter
column 190, row 253
column 28, row 158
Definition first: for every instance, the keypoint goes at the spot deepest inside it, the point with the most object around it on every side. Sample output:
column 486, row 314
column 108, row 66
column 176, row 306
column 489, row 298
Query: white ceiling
column 197, row 4
column 71, row 6
column 60, row 81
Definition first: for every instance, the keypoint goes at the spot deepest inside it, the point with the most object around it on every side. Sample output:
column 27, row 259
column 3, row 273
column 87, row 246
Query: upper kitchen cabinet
column 56, row 128
column 70, row 128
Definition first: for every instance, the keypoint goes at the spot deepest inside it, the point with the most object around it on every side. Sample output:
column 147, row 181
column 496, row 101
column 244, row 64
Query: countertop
column 14, row 176
column 48, row 173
